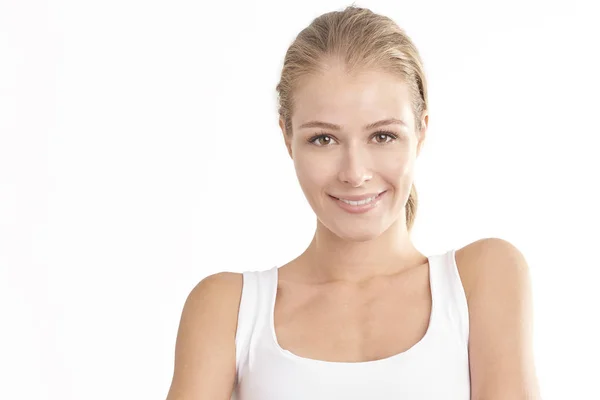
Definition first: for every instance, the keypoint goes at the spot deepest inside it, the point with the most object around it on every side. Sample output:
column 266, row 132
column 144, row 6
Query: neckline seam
column 394, row 357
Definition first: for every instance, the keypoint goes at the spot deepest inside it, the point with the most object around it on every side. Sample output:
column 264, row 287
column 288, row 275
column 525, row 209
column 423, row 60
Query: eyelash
column 319, row 135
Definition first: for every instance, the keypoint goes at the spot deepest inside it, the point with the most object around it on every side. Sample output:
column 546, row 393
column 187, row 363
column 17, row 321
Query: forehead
column 338, row 97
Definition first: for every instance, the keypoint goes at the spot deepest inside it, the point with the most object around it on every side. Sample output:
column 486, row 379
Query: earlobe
column 423, row 133
column 286, row 138
column 288, row 145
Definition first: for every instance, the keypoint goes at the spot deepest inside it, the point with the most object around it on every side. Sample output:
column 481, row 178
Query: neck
column 331, row 258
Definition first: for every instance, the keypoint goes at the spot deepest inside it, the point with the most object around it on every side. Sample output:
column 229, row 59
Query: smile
column 359, row 205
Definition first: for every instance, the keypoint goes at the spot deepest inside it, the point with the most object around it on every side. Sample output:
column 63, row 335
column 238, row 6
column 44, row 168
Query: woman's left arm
column 500, row 323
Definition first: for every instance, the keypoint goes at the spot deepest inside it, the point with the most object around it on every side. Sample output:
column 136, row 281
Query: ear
column 287, row 138
column 423, row 133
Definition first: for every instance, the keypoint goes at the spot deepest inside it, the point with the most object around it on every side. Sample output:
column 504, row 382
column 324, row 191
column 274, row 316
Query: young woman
column 361, row 313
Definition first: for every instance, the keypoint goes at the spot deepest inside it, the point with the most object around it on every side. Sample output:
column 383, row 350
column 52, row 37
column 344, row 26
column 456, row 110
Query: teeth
column 359, row 203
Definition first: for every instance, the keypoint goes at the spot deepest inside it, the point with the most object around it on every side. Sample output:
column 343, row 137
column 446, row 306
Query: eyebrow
column 334, row 127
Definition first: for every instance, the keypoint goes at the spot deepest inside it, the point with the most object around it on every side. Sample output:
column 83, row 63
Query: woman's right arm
column 205, row 346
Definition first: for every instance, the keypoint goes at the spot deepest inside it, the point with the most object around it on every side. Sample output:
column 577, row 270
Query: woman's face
column 346, row 159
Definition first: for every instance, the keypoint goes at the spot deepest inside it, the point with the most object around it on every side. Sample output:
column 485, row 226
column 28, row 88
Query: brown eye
column 384, row 137
column 321, row 140
column 324, row 140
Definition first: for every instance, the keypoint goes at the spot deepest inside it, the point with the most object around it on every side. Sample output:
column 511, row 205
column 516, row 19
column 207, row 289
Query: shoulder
column 212, row 306
column 205, row 345
column 222, row 290
column 488, row 259
column 498, row 289
column 220, row 280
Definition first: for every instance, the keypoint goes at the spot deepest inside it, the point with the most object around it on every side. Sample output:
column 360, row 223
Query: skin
column 355, row 161
column 360, row 291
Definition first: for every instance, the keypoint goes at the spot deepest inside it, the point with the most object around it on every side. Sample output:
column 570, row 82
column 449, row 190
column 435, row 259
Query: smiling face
column 345, row 158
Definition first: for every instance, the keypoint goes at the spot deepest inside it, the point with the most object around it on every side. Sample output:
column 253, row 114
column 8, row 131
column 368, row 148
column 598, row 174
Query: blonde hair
column 359, row 39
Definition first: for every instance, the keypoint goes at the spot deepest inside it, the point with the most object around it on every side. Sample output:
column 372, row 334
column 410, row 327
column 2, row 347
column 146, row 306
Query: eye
column 383, row 137
column 321, row 140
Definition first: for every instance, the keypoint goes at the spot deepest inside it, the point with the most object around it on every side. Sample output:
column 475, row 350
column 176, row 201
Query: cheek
column 396, row 167
column 311, row 173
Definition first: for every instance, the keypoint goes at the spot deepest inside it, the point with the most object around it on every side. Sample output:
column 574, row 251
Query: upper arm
column 500, row 322
column 205, row 346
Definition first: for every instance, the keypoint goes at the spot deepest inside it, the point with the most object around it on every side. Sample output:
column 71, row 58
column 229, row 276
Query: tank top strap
column 253, row 312
column 448, row 293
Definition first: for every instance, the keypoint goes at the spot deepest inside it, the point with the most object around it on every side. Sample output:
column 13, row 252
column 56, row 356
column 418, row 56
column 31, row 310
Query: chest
column 350, row 324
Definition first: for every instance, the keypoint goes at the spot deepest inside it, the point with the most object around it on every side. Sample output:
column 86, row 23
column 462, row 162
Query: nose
column 355, row 169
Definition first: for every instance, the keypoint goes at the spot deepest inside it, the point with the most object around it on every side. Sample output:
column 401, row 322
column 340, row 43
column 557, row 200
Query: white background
column 140, row 152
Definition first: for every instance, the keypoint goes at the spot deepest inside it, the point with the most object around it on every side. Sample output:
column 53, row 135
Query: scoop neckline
column 402, row 355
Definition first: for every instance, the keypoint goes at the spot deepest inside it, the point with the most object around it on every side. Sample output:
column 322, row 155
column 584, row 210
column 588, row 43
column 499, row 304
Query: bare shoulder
column 486, row 258
column 221, row 286
column 205, row 345
column 215, row 297
column 498, row 287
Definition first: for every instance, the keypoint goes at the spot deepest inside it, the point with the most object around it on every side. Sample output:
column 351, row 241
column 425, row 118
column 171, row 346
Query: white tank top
column 436, row 367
